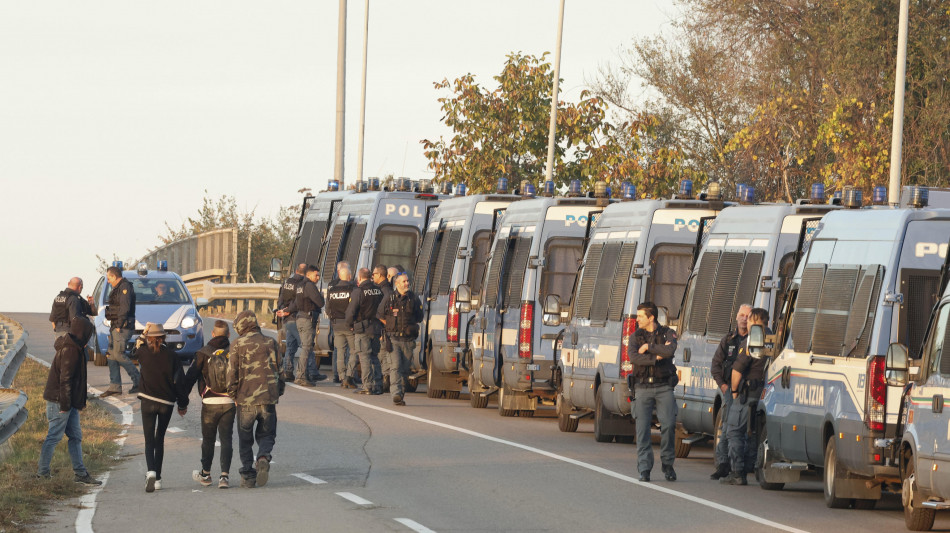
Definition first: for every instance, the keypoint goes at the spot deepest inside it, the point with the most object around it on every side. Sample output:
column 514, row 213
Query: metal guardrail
column 212, row 250
column 12, row 353
column 232, row 298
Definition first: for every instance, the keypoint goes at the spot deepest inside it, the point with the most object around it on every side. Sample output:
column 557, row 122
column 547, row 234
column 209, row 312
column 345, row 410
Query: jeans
column 661, row 398
column 62, row 423
column 742, row 448
column 344, row 343
column 367, row 346
column 217, row 419
column 306, row 365
column 155, row 418
column 266, row 433
column 118, row 338
column 292, row 336
column 399, row 369
column 722, row 448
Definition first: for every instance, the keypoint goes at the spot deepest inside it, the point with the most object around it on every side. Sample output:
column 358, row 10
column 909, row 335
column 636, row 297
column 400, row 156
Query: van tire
column 915, row 518
column 502, row 392
column 864, row 505
column 452, row 394
column 717, row 434
column 760, row 463
column 600, row 416
column 831, row 475
column 626, row 439
column 431, row 391
column 412, row 384
column 475, row 397
column 564, row 421
column 681, row 448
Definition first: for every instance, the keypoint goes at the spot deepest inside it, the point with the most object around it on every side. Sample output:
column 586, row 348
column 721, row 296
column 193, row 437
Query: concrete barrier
column 12, row 353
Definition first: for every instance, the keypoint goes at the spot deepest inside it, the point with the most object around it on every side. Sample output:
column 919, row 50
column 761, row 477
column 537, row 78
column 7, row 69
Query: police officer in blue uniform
column 307, row 306
column 401, row 314
column 361, row 318
column 381, row 279
column 121, row 313
column 67, row 305
column 344, row 342
column 288, row 292
column 652, row 383
column 721, row 371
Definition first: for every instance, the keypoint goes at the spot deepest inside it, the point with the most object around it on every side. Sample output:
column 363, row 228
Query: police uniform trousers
column 386, row 359
column 367, row 346
column 722, row 447
column 307, row 364
column 399, row 368
column 742, row 447
column 647, row 398
column 344, row 346
column 118, row 340
column 292, row 338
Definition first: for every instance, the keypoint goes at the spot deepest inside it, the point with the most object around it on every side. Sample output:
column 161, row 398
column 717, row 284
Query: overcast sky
column 116, row 116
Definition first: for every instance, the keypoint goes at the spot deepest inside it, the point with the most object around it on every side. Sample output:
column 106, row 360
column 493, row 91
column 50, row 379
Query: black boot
column 734, row 478
column 722, row 471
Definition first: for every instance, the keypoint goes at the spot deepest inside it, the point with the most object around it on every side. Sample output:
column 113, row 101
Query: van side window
column 561, row 258
column 515, row 272
column 395, row 245
column 478, row 261
column 919, row 287
column 670, row 271
column 939, row 338
column 423, row 262
column 448, row 251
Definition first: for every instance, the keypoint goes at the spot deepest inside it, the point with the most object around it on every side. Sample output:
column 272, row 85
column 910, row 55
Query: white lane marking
column 354, row 498
column 413, row 525
column 174, row 429
column 87, row 502
column 310, row 479
column 575, row 462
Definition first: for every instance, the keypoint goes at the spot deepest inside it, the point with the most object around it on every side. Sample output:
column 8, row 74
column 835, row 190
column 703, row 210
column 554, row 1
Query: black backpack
column 216, row 372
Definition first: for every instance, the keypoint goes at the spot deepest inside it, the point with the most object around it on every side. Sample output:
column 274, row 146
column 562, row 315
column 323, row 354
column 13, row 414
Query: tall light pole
column 340, row 94
column 359, row 157
column 549, row 173
column 897, row 131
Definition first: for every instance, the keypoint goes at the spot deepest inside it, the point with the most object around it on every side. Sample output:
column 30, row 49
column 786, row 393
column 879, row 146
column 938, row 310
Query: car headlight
column 188, row 322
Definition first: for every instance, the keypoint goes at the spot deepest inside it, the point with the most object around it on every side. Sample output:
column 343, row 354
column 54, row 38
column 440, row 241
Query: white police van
column 454, row 251
column 374, row 226
column 869, row 278
column 638, row 251
column 314, row 225
column 749, row 256
column 537, row 250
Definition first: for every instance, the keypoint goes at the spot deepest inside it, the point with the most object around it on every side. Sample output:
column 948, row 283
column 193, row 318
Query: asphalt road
column 350, row 463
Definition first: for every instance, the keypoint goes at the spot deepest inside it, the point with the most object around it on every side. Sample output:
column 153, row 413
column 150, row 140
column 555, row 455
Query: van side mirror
column 276, row 267
column 756, row 337
column 895, row 365
column 463, row 298
column 663, row 316
column 552, row 310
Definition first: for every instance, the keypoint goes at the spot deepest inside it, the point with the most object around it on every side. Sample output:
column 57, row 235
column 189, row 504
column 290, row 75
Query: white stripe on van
column 509, row 337
column 436, row 322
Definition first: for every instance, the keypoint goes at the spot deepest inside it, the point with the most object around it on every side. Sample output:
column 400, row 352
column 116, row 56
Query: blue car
column 160, row 297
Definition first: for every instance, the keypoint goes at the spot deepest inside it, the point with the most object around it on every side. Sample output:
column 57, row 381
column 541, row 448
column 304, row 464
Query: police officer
column 401, row 315
column 747, row 380
column 721, row 371
column 67, row 305
column 361, row 318
column 307, row 305
column 288, row 292
column 121, row 313
column 652, row 382
column 381, row 279
column 344, row 343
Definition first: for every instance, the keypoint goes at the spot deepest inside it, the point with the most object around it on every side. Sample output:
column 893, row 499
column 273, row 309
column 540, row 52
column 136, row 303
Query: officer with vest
column 382, row 280
column 344, row 342
column 652, row 382
column 361, row 318
column 401, row 314
column 721, row 371
column 67, row 305
column 307, row 306
column 286, row 296
column 121, row 315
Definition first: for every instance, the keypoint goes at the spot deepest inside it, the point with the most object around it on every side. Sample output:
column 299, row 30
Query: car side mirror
column 895, row 365
column 276, row 268
column 201, row 302
column 662, row 316
column 463, row 298
column 552, row 310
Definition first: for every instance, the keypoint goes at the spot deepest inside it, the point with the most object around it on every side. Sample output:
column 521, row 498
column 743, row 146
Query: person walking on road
column 401, row 315
column 162, row 387
column 210, row 372
column 253, row 384
column 361, row 318
column 288, row 292
column 65, row 396
column 67, row 305
column 121, row 313
column 721, row 371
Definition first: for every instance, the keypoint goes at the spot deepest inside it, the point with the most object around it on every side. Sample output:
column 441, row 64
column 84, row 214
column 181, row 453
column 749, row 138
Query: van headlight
column 188, row 322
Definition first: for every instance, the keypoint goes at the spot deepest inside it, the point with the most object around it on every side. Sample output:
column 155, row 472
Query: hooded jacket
column 66, row 382
column 252, row 364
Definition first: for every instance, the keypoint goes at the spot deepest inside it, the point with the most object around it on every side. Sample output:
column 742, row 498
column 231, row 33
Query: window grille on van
column 422, row 262
column 723, row 295
column 478, row 261
column 494, row 272
column 806, row 307
column 397, row 244
column 705, row 279
column 309, row 243
column 605, row 282
column 446, row 263
column 670, row 267
column 332, row 254
column 786, row 271
column 857, row 335
column 621, row 279
column 748, row 284
column 354, row 241
column 585, row 296
column 562, row 256
column 516, row 272
column 834, row 306
column 919, row 287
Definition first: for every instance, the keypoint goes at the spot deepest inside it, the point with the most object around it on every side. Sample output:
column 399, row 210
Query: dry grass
column 23, row 499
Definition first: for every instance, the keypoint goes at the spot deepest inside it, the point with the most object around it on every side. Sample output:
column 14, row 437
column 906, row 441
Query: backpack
column 216, row 372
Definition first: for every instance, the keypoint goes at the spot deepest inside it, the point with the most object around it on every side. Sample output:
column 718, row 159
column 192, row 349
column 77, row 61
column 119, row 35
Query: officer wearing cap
column 652, row 382
column 67, row 305
column 288, row 292
column 344, row 343
column 121, row 313
column 307, row 305
column 361, row 317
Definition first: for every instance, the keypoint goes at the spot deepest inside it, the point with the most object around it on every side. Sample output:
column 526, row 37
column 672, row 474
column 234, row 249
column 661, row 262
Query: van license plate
column 534, row 367
column 458, row 349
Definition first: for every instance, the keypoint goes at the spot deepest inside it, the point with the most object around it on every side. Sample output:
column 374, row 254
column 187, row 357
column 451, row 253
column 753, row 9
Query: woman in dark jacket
column 160, row 387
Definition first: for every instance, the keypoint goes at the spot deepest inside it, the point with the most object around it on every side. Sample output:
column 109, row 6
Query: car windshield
column 156, row 291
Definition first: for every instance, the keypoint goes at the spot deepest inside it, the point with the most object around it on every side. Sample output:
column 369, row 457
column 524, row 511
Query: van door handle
column 937, row 403
column 822, row 360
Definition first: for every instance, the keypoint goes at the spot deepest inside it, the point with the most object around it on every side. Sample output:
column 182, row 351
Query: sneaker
column 304, row 383
column 108, row 393
column 348, row 383
column 397, row 399
column 263, row 467
column 158, row 484
column 721, row 472
column 734, row 479
column 223, row 481
column 134, row 389
column 248, row 482
column 319, row 377
column 645, row 476
column 362, row 391
column 201, row 477
column 150, row 481
column 669, row 473
column 86, row 480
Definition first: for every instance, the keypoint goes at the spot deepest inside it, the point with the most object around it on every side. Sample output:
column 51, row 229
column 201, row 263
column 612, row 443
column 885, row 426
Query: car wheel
column 564, row 421
column 915, row 518
column 833, row 472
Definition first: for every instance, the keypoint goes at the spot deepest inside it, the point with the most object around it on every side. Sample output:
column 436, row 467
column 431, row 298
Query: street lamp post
column 897, row 131
column 552, row 128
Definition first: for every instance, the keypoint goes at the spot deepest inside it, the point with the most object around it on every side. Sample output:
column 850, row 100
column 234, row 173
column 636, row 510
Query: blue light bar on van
column 746, row 194
column 739, row 188
column 686, row 188
column 628, row 191
column 117, row 264
column 919, row 196
column 374, row 184
column 817, row 193
column 610, row 191
column 333, row 185
column 548, row 188
column 163, row 265
column 501, row 187
column 460, row 189
column 836, row 195
column 879, row 195
column 575, row 188
column 852, row 197
column 528, row 190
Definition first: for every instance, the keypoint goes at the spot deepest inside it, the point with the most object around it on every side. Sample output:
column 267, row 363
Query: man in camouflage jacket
column 253, row 383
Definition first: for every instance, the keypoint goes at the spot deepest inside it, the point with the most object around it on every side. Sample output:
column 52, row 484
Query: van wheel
column 526, row 413
column 682, row 448
column 452, row 394
column 98, row 356
column 760, row 465
column 431, row 391
column 502, row 392
column 833, row 471
column 626, row 439
column 717, row 429
column 864, row 505
column 915, row 518
column 475, row 397
column 412, row 384
column 564, row 421
column 600, row 416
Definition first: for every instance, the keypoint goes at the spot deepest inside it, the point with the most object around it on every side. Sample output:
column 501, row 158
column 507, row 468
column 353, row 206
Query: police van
column 749, row 257
column 314, row 225
column 868, row 279
column 638, row 251
column 454, row 251
column 374, row 226
column 923, row 427
column 538, row 247
column 160, row 297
